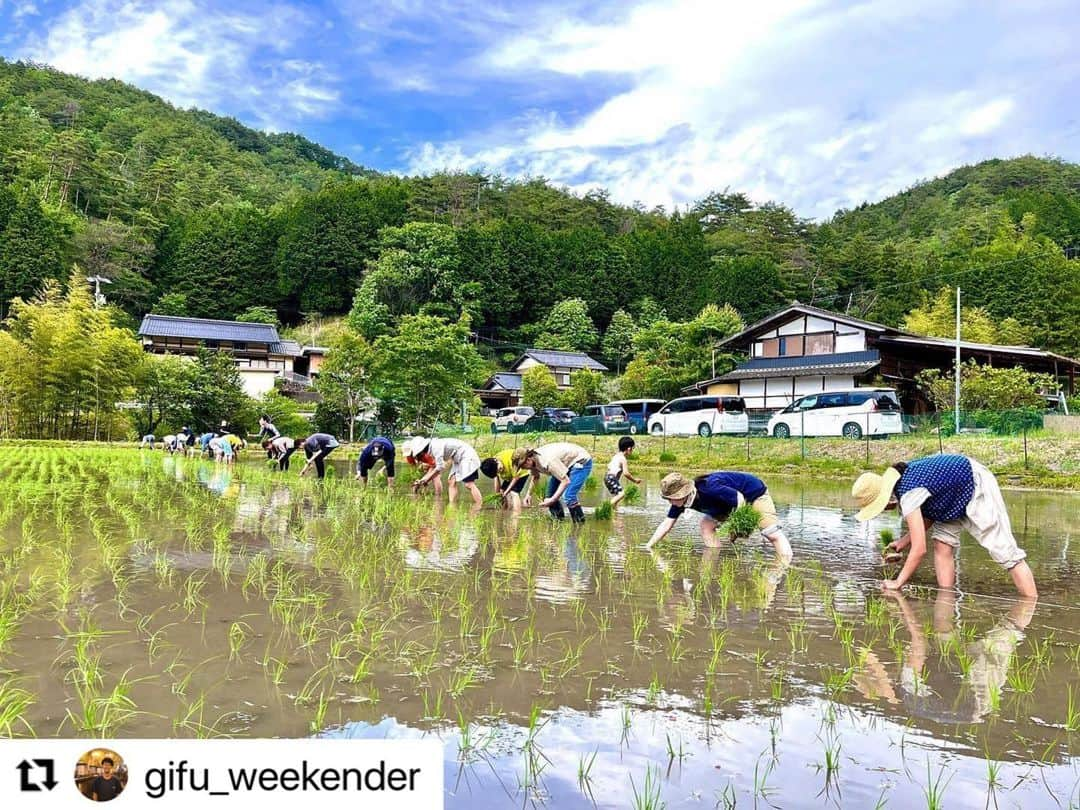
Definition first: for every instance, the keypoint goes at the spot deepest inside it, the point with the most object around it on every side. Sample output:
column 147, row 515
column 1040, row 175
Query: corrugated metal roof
column 561, row 359
column 839, row 363
column 207, row 329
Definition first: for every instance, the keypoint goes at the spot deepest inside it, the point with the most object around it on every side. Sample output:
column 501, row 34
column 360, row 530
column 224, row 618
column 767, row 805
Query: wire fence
column 1010, row 438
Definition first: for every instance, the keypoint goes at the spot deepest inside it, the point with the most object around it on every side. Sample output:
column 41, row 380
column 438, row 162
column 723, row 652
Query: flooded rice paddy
column 151, row 596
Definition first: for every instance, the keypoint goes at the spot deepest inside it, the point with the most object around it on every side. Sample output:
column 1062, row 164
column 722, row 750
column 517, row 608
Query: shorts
column 987, row 520
column 468, row 479
column 514, row 484
column 612, row 484
column 765, row 507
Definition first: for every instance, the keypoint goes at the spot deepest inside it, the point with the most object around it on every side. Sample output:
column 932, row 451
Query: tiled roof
column 839, row 363
column 289, row 348
column 206, row 329
column 505, row 380
column 560, row 359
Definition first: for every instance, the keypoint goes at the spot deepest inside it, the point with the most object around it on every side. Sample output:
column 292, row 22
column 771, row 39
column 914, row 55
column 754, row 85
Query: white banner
column 42, row 774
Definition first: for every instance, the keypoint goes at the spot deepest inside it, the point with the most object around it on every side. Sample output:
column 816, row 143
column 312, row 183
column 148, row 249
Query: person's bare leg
column 451, row 489
column 513, row 502
column 945, row 564
column 474, row 490
column 1024, row 580
column 436, row 483
column 617, row 498
column 708, row 533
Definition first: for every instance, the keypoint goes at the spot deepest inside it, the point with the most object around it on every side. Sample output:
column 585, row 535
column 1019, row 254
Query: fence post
column 1025, row 442
column 802, row 433
column 940, row 438
column 868, row 438
column 708, row 449
column 747, row 444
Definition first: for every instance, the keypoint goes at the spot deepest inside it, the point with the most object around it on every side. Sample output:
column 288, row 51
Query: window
column 562, row 379
column 707, row 402
column 791, row 346
column 240, row 346
column 806, row 403
column 770, row 348
column 210, row 344
column 733, row 404
column 820, row 344
column 833, row 400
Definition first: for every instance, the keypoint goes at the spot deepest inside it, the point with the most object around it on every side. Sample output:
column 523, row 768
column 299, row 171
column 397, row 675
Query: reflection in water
column 289, row 607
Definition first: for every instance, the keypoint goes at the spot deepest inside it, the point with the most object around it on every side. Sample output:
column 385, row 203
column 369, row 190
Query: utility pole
column 956, row 405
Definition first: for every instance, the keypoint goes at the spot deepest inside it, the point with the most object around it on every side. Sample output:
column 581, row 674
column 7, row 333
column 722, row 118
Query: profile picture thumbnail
column 101, row 775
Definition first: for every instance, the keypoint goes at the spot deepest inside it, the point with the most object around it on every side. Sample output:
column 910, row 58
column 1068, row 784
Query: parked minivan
column 701, row 415
column 517, row 415
column 852, row 414
column 601, row 419
column 638, row 412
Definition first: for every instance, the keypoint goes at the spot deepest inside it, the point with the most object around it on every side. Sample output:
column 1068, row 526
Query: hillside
column 192, row 213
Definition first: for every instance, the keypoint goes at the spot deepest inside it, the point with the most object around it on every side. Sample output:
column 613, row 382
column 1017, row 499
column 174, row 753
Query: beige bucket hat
column 872, row 492
column 518, row 457
column 675, row 486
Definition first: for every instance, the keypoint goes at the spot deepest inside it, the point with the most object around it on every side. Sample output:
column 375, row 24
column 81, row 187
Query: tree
column 568, row 327
column 258, row 314
column 538, row 388
column 986, row 388
column 670, row 356
column 345, row 378
column 33, row 247
column 217, row 393
column 163, row 390
column 586, row 388
column 619, row 338
column 428, row 365
column 750, row 284
column 284, row 413
column 64, row 365
column 173, row 303
column 937, row 318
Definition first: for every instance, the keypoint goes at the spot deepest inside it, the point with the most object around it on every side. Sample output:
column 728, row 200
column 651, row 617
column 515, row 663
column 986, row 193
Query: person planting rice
column 940, row 496
column 617, row 468
column 147, row 441
column 267, row 429
column 187, row 439
column 204, row 443
column 280, row 448
column 422, row 458
column 170, row 444
column 235, row 443
column 317, row 447
column 462, row 458
column 716, row 495
column 378, row 449
column 569, row 466
column 509, row 483
column 222, row 449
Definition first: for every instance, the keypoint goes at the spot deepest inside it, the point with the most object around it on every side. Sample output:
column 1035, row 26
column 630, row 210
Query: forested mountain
column 191, row 213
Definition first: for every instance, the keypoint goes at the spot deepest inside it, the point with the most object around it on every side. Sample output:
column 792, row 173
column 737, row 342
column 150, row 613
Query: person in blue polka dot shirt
column 941, row 496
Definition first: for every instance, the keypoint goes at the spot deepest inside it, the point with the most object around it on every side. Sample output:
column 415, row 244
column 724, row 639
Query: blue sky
column 820, row 105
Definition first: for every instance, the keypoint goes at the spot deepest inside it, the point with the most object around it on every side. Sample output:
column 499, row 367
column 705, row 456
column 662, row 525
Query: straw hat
column 675, row 486
column 518, row 457
column 872, row 492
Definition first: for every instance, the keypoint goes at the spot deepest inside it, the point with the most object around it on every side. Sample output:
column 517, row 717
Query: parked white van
column 701, row 415
column 851, row 414
column 507, row 416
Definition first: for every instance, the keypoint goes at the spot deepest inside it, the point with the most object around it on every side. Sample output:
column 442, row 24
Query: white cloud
column 817, row 104
column 192, row 54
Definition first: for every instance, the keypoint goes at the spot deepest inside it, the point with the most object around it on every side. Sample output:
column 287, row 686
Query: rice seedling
column 632, row 494
column 886, row 536
column 650, row 797
column 935, row 790
column 1022, row 677
column 667, row 457
column 1072, row 712
column 584, row 773
column 13, row 705
column 742, row 522
column 604, row 511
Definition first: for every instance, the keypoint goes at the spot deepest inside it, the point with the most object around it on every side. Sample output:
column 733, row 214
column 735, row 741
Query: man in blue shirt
column 716, row 496
column 379, row 448
column 317, row 447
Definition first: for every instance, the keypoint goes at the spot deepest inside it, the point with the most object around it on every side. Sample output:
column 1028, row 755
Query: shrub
column 667, row 458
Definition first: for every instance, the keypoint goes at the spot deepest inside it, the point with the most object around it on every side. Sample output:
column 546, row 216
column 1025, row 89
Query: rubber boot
column 556, row 511
column 577, row 514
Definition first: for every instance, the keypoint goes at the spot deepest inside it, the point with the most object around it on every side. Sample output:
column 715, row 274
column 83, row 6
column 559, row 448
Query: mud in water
column 151, row 596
